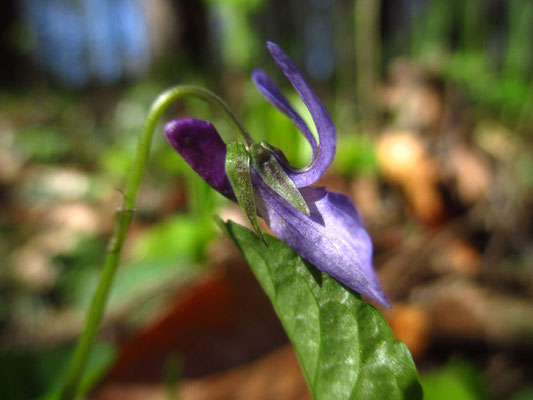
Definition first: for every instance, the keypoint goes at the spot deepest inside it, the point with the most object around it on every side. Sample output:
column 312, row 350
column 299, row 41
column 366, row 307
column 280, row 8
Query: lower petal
column 332, row 238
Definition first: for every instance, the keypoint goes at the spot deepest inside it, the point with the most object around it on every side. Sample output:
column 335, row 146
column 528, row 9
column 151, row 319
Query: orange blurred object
column 405, row 162
column 412, row 325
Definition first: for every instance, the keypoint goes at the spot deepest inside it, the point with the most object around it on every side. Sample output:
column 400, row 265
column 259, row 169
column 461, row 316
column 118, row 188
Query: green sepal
column 268, row 167
column 238, row 171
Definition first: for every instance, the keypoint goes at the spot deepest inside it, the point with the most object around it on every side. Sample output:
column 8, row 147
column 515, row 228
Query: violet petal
column 271, row 92
column 324, row 125
column 332, row 238
column 199, row 143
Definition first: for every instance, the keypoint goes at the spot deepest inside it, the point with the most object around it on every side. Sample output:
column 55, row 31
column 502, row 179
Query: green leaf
column 274, row 176
column 238, row 171
column 344, row 345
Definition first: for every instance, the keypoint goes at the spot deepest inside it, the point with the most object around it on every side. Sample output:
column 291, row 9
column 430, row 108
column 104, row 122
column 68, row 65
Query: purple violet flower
column 332, row 237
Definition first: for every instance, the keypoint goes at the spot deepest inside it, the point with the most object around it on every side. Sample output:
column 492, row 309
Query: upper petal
column 271, row 92
column 324, row 124
column 332, row 238
column 199, row 143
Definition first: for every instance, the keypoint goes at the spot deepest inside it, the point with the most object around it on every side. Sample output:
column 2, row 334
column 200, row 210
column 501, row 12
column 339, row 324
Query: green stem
column 123, row 219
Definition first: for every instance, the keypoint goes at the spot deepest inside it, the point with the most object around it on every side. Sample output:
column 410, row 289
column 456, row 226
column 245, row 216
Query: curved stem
column 123, row 219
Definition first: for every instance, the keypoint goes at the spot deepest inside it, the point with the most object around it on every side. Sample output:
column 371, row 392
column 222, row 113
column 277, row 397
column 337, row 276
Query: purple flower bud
column 199, row 143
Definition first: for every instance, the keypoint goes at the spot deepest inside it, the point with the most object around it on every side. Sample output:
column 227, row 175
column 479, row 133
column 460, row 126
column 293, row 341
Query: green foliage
column 526, row 394
column 496, row 81
column 246, row 4
column 488, row 87
column 79, row 271
column 28, row 374
column 519, row 56
column 116, row 160
column 345, row 347
column 156, row 260
column 43, row 144
column 432, row 27
column 355, row 155
column 238, row 40
column 456, row 380
column 181, row 237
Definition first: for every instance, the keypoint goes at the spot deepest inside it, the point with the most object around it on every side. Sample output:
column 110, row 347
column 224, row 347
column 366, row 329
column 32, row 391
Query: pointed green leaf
column 345, row 347
column 238, row 171
column 268, row 167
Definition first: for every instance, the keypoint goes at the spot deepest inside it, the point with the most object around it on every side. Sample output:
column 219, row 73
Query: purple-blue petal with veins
column 332, row 237
column 199, row 143
column 271, row 92
column 324, row 125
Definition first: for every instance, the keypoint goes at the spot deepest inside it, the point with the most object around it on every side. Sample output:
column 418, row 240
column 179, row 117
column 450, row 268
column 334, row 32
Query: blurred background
column 433, row 103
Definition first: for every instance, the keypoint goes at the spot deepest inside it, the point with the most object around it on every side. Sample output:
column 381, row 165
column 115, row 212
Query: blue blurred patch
column 89, row 40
